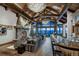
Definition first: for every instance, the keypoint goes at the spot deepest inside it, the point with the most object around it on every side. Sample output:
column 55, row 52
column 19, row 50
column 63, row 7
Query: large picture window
column 48, row 28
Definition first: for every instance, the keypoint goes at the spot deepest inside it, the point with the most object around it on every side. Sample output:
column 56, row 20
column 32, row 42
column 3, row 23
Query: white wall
column 9, row 36
column 7, row 18
column 69, row 24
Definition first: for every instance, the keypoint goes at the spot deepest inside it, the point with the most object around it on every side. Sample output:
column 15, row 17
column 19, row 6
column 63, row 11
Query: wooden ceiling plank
column 52, row 9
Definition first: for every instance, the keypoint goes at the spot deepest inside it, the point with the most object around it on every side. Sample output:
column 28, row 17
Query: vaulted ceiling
column 40, row 11
column 51, row 11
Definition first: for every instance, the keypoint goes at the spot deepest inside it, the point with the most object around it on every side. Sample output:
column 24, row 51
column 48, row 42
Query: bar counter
column 71, row 49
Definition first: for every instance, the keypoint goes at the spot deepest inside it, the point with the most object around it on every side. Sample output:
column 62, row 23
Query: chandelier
column 36, row 7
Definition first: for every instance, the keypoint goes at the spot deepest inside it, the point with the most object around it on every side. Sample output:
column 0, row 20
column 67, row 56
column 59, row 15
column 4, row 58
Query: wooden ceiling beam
column 52, row 9
column 17, row 10
column 52, row 13
column 44, row 16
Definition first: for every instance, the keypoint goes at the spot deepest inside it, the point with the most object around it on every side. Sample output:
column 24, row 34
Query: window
column 59, row 29
column 48, row 29
column 52, row 30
